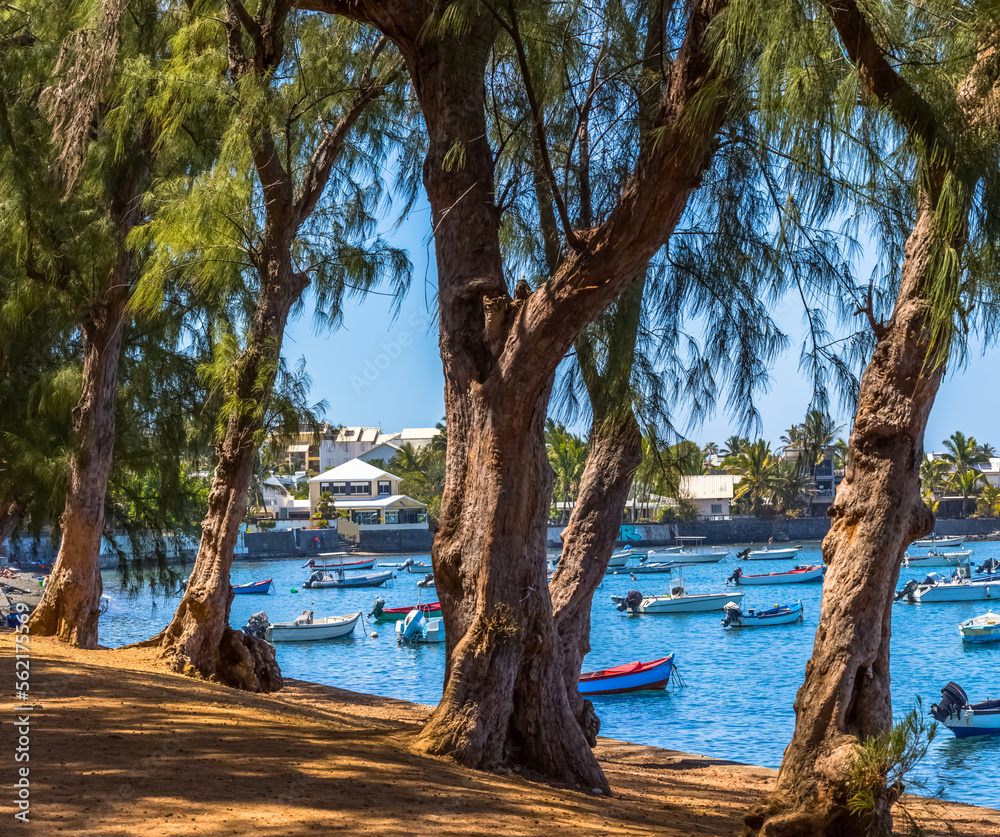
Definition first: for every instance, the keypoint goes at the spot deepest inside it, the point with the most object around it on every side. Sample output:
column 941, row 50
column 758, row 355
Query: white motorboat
column 623, row 556
column 340, row 579
column 937, row 588
column 678, row 600
column 339, row 561
column 965, row 719
column 985, row 628
column 416, row 627
column 934, row 558
column 756, row 618
column 305, row 628
column 690, row 550
column 770, row 553
column 648, row 567
column 813, row 572
column 938, row 541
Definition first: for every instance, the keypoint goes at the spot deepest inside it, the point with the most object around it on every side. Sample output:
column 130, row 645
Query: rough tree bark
column 70, row 606
column 878, row 511
column 505, row 698
column 198, row 640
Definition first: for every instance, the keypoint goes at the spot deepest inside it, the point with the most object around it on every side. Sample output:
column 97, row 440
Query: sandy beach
column 120, row 747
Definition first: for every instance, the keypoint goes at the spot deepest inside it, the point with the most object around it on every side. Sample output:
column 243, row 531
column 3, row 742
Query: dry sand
column 120, row 747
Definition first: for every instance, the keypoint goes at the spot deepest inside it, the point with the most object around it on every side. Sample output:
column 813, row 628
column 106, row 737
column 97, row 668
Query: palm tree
column 988, row 504
column 963, row 453
column 789, row 481
column 733, row 445
column 567, row 455
column 967, row 484
column 934, row 473
column 756, row 466
column 987, row 450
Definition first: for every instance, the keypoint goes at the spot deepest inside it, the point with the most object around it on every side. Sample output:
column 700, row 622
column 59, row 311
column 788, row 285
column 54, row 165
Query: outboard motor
column 990, row 565
column 428, row 581
column 953, row 698
column 316, row 576
column 407, row 563
column 907, row 591
column 631, row 601
column 744, row 554
column 732, row 612
column 735, row 577
column 256, row 625
column 412, row 626
column 377, row 608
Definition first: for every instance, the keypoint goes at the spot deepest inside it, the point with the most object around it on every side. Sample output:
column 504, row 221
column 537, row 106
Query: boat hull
column 615, row 681
column 773, row 554
column 695, row 603
column 259, row 587
column 985, row 628
column 311, row 632
column 645, row 569
column 331, row 564
column 972, row 722
column 949, row 560
column 394, row 614
column 957, row 592
column 697, row 557
column 783, row 615
column 790, row 577
column 373, row 580
column 937, row 543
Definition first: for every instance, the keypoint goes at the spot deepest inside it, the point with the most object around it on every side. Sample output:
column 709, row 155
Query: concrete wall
column 391, row 539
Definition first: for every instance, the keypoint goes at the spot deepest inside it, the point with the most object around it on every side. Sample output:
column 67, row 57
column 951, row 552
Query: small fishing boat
column 678, row 600
column 305, row 628
column 253, row 587
column 938, row 541
column 416, row 627
column 412, row 566
column 965, row 719
column 937, row 588
column 338, row 561
column 777, row 615
column 339, row 579
column 770, row 553
column 630, row 677
column 381, row 613
column 985, row 628
column 649, row 567
column 938, row 559
column 811, row 572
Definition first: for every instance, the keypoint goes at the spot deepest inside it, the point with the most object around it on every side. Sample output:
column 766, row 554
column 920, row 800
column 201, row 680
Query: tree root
column 243, row 662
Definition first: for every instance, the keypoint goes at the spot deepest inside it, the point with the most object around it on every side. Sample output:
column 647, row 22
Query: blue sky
column 380, row 371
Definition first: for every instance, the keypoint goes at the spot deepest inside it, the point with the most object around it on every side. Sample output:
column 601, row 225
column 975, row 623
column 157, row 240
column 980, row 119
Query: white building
column 370, row 495
column 711, row 494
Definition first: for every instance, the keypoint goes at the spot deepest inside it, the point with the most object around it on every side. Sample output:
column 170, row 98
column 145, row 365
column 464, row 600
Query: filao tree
column 934, row 99
column 504, row 698
column 288, row 203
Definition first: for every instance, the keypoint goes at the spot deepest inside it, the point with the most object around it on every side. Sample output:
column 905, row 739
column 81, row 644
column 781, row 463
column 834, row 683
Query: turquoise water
column 740, row 685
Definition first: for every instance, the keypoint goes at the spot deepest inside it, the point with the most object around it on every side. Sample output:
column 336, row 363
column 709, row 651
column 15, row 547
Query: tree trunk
column 70, row 606
column 878, row 512
column 198, row 640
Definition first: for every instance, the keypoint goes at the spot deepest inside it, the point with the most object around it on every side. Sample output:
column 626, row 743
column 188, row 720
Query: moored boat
column 965, row 719
column 649, row 567
column 937, row 588
column 985, row 628
column 689, row 549
column 338, row 561
column 253, row 587
column 340, row 579
column 939, row 559
column 630, row 677
column 769, row 553
column 381, row 613
column 812, row 572
column 755, row 618
column 678, row 600
column 622, row 557
column 305, row 628
column 938, row 541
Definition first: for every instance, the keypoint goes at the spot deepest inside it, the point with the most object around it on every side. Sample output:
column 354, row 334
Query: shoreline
column 122, row 747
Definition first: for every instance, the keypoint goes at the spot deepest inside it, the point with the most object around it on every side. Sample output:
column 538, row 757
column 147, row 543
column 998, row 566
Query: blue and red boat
column 630, row 677
column 253, row 587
